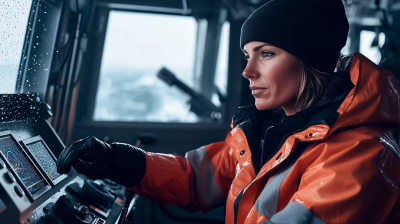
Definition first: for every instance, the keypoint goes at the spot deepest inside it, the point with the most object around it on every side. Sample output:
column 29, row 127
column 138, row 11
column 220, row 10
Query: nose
column 250, row 72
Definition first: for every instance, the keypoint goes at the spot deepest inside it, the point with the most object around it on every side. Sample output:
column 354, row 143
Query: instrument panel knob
column 19, row 191
column 9, row 177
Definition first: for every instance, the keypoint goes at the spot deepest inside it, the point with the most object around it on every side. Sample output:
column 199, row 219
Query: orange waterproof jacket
column 343, row 170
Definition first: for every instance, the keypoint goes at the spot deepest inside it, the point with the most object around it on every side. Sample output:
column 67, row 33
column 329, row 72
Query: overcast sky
column 138, row 40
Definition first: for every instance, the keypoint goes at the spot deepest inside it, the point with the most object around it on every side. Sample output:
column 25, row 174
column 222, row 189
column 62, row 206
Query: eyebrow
column 258, row 47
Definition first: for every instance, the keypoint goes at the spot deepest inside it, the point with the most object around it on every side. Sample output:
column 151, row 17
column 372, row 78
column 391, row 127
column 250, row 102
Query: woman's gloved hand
column 122, row 163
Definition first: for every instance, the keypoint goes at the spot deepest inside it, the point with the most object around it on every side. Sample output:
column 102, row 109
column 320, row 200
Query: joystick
column 66, row 211
column 98, row 193
column 112, row 184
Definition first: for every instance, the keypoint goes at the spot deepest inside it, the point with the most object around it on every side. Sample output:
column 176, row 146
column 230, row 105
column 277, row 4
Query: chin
column 263, row 105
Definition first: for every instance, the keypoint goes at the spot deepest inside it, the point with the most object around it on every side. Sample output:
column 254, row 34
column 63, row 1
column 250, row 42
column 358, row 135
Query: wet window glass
column 137, row 46
column 13, row 23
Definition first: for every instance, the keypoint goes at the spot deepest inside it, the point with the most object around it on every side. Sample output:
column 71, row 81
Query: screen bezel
column 31, row 196
column 33, row 140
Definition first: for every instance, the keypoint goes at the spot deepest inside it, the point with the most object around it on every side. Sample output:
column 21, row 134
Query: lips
column 255, row 90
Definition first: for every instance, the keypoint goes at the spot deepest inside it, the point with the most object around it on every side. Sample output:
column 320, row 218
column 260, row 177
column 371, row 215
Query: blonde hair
column 312, row 82
column 311, row 86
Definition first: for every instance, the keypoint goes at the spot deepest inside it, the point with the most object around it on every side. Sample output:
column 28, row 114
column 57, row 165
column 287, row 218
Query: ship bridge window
column 366, row 47
column 13, row 24
column 137, row 47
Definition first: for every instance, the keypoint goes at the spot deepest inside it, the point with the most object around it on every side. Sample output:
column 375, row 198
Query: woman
column 317, row 147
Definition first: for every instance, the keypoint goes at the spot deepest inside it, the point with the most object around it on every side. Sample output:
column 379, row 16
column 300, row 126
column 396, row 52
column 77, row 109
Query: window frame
column 33, row 29
column 95, row 48
column 172, row 137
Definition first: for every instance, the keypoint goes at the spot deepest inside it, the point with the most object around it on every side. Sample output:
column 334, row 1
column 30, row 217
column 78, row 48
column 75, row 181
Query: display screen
column 30, row 177
column 44, row 158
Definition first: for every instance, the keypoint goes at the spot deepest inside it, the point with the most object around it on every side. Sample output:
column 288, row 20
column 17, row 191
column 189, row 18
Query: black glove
column 122, row 163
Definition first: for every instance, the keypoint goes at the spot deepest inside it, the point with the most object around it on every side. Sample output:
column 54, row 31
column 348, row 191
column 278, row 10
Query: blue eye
column 266, row 54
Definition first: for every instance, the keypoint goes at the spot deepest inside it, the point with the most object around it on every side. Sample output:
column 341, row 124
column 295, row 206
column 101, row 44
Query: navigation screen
column 43, row 157
column 21, row 165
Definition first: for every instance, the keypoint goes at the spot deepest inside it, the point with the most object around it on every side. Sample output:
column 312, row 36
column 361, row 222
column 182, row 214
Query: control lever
column 199, row 104
column 142, row 139
column 98, row 194
column 66, row 210
column 130, row 193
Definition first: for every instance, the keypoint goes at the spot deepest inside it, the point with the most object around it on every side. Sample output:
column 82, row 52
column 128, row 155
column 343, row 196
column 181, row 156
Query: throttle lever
column 130, row 193
column 144, row 138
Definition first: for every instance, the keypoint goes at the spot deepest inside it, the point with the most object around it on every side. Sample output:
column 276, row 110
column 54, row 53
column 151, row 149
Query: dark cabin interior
column 164, row 75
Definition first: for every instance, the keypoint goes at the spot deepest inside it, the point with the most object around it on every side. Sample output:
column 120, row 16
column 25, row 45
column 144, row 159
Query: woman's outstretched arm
column 199, row 181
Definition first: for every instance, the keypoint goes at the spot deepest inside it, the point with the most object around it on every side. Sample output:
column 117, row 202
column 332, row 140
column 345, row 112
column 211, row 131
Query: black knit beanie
column 312, row 30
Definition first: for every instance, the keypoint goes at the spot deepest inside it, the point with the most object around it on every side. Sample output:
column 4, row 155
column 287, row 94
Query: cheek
column 286, row 83
column 282, row 79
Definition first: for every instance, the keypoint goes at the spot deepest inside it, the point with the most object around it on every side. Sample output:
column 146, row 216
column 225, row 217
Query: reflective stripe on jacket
column 347, row 171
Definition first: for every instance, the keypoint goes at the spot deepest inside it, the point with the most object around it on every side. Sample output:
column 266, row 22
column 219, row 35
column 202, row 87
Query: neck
column 290, row 109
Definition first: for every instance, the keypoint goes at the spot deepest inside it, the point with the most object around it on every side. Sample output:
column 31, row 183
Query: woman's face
column 274, row 76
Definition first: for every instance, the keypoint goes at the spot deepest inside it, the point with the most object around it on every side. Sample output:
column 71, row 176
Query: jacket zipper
column 262, row 144
column 262, row 148
column 283, row 140
column 262, row 140
column 265, row 136
column 280, row 145
column 242, row 196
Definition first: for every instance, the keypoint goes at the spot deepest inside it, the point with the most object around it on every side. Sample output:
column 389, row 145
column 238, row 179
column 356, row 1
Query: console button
column 2, row 165
column 48, row 207
column 9, row 177
column 19, row 191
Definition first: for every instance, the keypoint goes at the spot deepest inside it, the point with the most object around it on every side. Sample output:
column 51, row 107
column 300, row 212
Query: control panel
column 31, row 190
